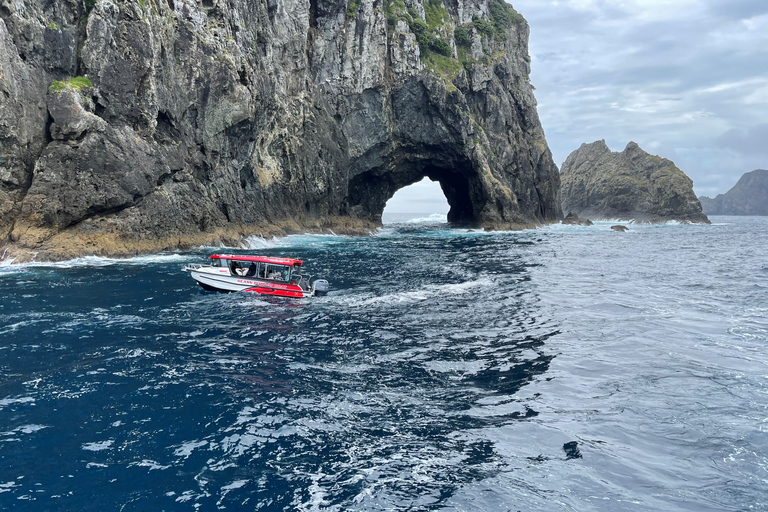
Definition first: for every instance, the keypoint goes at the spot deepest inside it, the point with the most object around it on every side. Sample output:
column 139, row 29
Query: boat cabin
column 259, row 267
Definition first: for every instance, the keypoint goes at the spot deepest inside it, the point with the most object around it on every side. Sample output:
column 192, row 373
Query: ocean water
column 558, row 369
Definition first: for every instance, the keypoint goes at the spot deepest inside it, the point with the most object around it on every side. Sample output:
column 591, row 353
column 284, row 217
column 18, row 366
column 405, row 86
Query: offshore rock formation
column 748, row 197
column 573, row 220
column 131, row 126
column 630, row 185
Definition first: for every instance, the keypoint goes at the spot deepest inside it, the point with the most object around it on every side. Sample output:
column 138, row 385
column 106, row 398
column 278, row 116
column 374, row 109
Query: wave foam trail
column 431, row 219
column 422, row 294
column 95, row 261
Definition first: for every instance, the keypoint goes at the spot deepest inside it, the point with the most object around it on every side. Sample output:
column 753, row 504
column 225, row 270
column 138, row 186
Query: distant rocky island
column 629, row 185
column 748, row 197
column 131, row 127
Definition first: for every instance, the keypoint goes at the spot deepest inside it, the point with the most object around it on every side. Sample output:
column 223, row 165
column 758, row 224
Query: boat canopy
column 259, row 259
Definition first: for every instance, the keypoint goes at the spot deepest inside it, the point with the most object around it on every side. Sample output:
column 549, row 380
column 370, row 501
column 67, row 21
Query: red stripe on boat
column 272, row 291
column 259, row 259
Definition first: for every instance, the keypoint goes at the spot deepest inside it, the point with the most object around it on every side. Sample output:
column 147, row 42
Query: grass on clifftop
column 78, row 82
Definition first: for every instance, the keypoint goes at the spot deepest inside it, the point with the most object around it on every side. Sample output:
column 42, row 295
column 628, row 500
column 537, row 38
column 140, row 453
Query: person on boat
column 251, row 270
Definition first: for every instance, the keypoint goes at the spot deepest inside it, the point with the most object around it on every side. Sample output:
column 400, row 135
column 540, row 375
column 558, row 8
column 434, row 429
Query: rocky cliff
column 629, row 185
column 131, row 126
column 748, row 197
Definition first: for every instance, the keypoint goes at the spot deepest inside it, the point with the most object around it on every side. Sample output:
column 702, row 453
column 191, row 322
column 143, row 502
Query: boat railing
column 301, row 280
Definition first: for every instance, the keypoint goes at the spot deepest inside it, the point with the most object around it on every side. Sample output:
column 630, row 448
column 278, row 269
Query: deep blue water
column 565, row 368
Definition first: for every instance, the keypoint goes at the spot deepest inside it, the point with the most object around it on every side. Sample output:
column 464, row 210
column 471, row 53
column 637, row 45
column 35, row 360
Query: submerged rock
column 620, row 228
column 748, row 197
column 629, row 185
column 131, row 126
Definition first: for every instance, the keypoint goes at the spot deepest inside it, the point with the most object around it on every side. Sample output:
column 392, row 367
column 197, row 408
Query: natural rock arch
column 209, row 121
column 423, row 128
column 370, row 191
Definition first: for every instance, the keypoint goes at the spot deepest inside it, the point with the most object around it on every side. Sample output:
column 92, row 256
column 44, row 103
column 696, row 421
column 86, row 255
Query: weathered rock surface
column 573, row 220
column 207, row 120
column 628, row 185
column 748, row 197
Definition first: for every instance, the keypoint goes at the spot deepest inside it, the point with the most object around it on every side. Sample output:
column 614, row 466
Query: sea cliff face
column 628, row 185
column 132, row 126
column 748, row 197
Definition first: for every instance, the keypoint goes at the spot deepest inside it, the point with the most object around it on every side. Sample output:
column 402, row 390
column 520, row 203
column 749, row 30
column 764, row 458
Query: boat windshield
column 278, row 272
column 258, row 270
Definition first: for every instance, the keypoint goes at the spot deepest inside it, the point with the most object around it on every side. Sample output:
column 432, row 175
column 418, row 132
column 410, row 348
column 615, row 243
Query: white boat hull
column 222, row 282
column 225, row 282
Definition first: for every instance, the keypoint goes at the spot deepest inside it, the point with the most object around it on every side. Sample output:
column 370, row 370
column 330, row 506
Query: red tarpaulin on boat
column 259, row 259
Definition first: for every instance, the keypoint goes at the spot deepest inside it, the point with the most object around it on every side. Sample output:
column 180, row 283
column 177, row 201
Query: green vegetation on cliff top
column 78, row 82
column 431, row 32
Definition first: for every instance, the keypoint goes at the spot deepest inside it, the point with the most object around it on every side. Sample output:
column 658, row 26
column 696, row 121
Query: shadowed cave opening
column 370, row 190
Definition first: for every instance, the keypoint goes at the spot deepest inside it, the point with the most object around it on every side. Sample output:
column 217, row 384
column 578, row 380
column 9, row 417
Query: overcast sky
column 685, row 79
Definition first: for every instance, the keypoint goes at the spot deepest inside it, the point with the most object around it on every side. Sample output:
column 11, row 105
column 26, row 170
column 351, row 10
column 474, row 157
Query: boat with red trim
column 266, row 275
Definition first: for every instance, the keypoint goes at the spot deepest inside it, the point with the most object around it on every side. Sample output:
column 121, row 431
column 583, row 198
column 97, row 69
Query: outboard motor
column 319, row 287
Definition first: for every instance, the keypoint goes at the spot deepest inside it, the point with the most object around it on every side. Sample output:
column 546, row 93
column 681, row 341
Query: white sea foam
column 152, row 465
column 15, row 327
column 235, row 485
column 186, row 449
column 317, row 497
column 29, row 429
column 419, row 295
column 98, row 446
column 10, row 401
column 434, row 218
column 6, row 487
column 93, row 261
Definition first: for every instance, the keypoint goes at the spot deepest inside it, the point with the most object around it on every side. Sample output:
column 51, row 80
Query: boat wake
column 413, row 296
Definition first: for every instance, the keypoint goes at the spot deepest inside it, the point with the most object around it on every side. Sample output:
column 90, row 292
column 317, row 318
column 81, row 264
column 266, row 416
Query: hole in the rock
column 422, row 200
column 370, row 191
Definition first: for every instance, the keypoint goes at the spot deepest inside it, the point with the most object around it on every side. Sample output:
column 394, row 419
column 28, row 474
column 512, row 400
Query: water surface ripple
column 566, row 368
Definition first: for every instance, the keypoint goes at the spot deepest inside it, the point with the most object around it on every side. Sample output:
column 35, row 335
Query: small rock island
column 628, row 185
column 748, row 197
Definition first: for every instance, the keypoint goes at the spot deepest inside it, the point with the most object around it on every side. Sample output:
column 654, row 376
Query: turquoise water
column 565, row 368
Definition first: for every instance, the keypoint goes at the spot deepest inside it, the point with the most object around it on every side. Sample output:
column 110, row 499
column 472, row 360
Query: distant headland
column 748, row 197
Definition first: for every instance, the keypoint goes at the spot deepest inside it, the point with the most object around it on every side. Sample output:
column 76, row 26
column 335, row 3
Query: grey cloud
column 692, row 87
column 752, row 141
column 737, row 10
